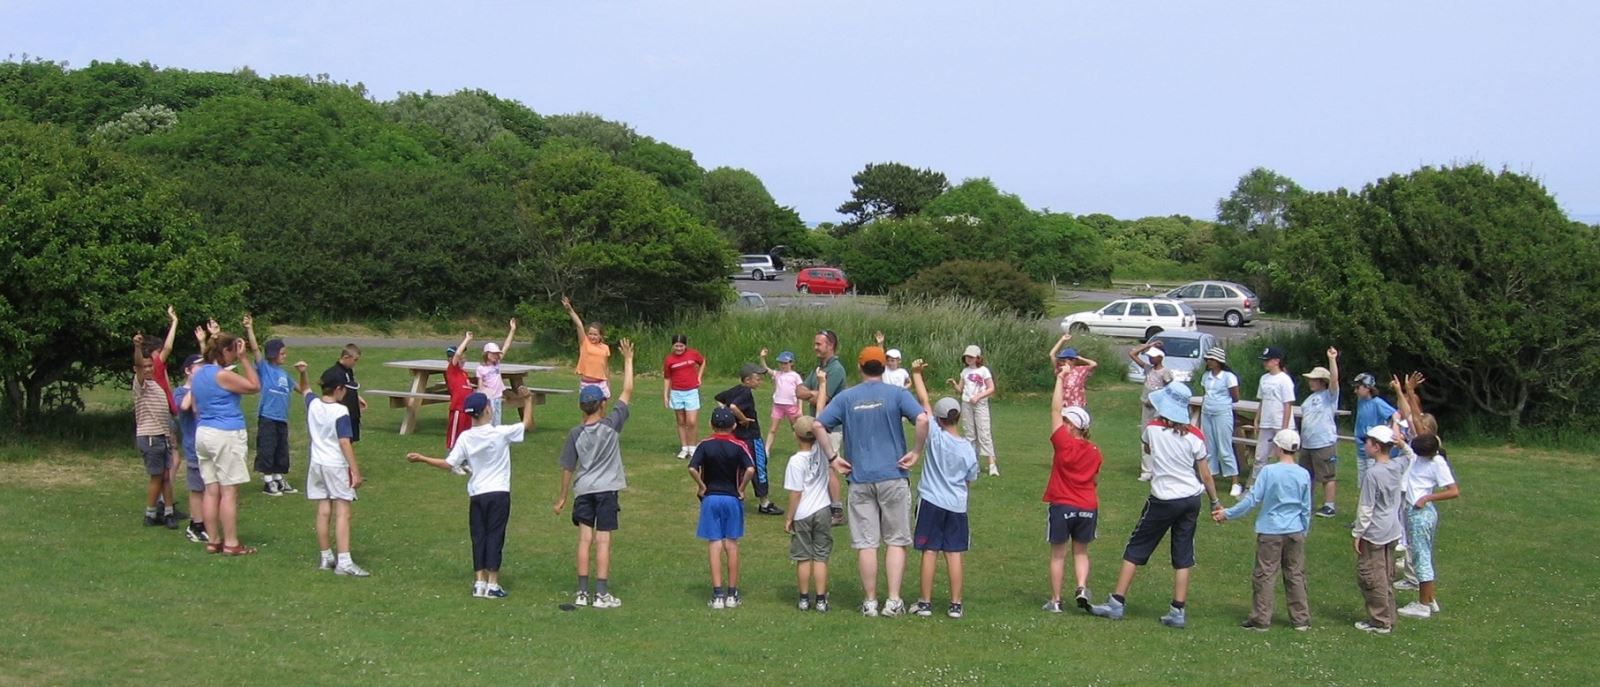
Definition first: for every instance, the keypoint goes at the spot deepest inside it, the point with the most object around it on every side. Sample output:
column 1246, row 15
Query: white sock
column 327, row 554
column 493, row 585
column 1329, row 504
column 266, row 479
column 171, row 509
column 344, row 558
column 479, row 585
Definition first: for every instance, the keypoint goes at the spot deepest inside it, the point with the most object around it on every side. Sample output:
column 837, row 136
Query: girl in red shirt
column 1072, row 495
column 684, row 368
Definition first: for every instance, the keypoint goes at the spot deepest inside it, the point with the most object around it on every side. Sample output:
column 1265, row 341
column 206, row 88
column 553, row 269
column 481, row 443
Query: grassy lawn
column 97, row 598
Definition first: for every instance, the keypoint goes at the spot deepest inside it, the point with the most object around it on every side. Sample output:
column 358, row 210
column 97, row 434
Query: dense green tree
column 997, row 285
column 887, row 252
column 96, row 247
column 983, row 221
column 615, row 138
column 1056, row 247
column 891, row 190
column 1259, row 202
column 1475, row 277
column 739, row 206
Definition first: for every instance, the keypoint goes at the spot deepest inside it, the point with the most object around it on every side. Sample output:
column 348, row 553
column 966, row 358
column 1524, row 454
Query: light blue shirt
column 214, row 406
column 950, row 465
column 274, row 391
column 1317, row 427
column 1284, row 492
column 1370, row 412
column 874, row 439
column 1218, row 399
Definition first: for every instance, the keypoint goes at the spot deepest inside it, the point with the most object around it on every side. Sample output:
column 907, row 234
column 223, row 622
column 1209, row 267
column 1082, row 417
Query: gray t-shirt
column 594, row 456
column 1382, row 501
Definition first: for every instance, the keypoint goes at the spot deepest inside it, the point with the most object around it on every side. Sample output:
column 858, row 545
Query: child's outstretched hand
column 1218, row 517
column 764, row 352
column 918, row 365
column 566, row 303
column 878, row 337
column 172, row 314
column 301, row 366
column 138, row 339
column 414, row 457
column 248, row 321
column 212, row 327
column 626, row 346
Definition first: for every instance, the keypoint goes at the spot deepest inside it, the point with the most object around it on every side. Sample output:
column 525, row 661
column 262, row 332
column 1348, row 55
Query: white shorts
column 221, row 453
column 328, row 484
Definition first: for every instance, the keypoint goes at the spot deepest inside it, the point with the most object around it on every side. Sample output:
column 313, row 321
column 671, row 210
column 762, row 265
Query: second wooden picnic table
column 420, row 393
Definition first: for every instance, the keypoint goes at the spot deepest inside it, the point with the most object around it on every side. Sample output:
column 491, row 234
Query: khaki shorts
column 813, row 538
column 325, row 483
column 1321, row 463
column 222, row 454
column 880, row 513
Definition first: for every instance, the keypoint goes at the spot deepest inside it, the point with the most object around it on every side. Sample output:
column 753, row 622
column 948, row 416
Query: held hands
column 1217, row 516
column 907, row 460
column 840, row 465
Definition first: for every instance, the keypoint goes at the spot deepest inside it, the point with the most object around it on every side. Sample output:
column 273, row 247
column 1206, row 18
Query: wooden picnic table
column 1252, row 409
column 420, row 393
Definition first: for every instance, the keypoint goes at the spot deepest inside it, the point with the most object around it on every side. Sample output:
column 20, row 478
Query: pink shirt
column 783, row 386
column 489, row 381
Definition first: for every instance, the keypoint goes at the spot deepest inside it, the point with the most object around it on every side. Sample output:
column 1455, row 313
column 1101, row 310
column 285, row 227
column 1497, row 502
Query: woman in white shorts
column 221, row 442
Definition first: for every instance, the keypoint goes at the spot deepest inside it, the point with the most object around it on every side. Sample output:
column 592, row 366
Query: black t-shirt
column 742, row 397
column 352, row 397
column 721, row 460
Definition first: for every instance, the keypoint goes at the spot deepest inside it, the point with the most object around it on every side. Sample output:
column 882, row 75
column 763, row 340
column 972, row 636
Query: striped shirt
column 151, row 414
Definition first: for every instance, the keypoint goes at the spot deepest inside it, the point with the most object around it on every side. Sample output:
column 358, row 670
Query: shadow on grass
column 95, row 434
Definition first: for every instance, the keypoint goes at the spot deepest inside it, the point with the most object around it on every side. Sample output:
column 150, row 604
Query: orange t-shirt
column 592, row 359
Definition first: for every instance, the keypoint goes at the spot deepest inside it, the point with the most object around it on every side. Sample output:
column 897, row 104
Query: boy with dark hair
column 486, row 449
column 721, row 466
column 808, row 522
column 152, row 422
column 332, row 475
column 272, row 417
column 741, row 400
column 591, row 467
column 346, row 365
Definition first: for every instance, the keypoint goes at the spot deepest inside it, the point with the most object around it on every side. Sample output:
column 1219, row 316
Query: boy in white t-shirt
column 486, row 451
column 332, row 474
column 893, row 374
column 1276, row 393
column 807, row 520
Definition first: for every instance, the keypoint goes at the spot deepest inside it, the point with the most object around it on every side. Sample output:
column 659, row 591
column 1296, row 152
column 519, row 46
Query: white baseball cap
column 973, row 351
column 1155, row 353
column 1381, row 434
column 1287, row 439
column 893, row 353
column 491, row 347
column 1077, row 416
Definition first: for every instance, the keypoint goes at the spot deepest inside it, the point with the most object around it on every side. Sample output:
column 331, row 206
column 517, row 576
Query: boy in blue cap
column 272, row 421
column 721, row 466
column 486, row 449
column 591, row 467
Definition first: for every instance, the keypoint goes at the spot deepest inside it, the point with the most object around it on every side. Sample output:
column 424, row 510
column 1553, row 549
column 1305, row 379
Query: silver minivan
column 1219, row 301
column 759, row 267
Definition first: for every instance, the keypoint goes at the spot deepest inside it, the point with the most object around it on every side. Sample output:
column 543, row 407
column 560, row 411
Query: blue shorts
column 940, row 530
column 683, row 400
column 721, row 517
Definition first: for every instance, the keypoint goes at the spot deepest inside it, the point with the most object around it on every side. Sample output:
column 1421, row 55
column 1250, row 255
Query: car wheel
column 1234, row 319
column 1151, row 333
column 756, row 275
column 1078, row 329
column 803, row 289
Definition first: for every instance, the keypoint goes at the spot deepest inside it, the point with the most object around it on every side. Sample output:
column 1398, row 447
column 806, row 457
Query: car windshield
column 1181, row 348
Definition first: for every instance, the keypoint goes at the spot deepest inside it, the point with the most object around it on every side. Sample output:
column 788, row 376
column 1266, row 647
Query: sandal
column 214, row 547
column 240, row 550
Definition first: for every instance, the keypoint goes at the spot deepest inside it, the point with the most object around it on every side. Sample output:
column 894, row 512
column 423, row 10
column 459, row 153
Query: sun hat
column 491, row 347
column 1154, row 353
column 1381, row 434
column 1172, row 402
column 475, row 404
column 1319, row 372
column 723, row 418
column 1077, row 415
column 591, row 394
column 1068, row 354
column 871, row 354
column 972, row 351
column 947, row 409
column 786, row 357
column 1287, row 439
column 1217, row 353
column 893, row 353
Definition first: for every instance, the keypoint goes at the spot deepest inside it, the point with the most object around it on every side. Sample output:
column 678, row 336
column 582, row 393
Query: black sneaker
column 196, row 534
column 1326, row 511
column 170, row 520
column 178, row 512
column 285, row 488
column 922, row 608
column 1083, row 598
column 152, row 521
column 270, row 489
column 770, row 509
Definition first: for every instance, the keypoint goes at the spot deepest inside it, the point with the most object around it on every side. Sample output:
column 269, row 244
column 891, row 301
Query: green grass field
column 96, row 598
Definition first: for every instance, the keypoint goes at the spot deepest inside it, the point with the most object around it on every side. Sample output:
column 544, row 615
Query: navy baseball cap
column 723, row 418
column 332, row 378
column 475, row 404
column 450, row 352
column 190, row 360
column 786, row 357
column 591, row 394
column 1272, row 353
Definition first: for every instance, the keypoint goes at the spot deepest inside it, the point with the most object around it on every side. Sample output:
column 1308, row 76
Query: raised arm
column 1333, row 370
column 460, row 357
column 1055, row 404
column 1057, row 348
column 234, row 382
column 1414, row 380
column 877, row 337
column 763, row 357
column 1088, row 363
column 820, row 396
column 919, row 387
column 1133, row 354
column 200, row 337
column 576, row 321
column 626, row 346
column 138, row 358
column 172, row 335
column 250, row 333
column 511, row 335
column 1406, row 412
column 305, row 384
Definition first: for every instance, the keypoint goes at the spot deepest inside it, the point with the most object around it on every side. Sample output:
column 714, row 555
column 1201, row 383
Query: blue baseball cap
column 190, row 360
column 1273, row 353
column 723, row 418
column 475, row 404
column 591, row 394
column 786, row 357
column 1068, row 354
column 450, row 352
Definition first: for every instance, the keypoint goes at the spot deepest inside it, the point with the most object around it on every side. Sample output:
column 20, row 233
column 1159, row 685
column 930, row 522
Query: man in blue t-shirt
column 1371, row 411
column 870, row 414
column 272, row 423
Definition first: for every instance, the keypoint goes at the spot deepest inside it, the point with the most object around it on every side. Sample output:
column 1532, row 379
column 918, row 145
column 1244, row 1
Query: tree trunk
column 14, row 402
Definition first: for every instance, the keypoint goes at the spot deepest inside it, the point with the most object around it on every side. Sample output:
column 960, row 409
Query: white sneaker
column 732, row 601
column 1405, row 585
column 1146, row 476
column 1365, row 626
column 325, row 564
column 869, row 608
column 1433, row 606
column 994, row 470
column 582, row 599
column 683, row 452
column 1236, row 491
column 717, row 603
column 607, row 601
column 480, row 590
column 1416, row 609
column 893, row 608
column 351, row 570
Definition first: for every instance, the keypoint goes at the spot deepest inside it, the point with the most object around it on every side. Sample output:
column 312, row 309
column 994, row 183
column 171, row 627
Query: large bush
column 887, row 252
column 995, row 285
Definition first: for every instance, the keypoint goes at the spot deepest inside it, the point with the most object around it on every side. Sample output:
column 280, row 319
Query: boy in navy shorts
column 591, row 467
column 721, row 466
column 941, row 527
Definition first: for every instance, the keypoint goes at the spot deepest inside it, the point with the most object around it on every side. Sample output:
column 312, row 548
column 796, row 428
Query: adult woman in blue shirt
column 221, row 442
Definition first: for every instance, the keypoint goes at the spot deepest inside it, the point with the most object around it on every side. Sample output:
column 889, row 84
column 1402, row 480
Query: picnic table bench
column 421, row 393
column 1252, row 409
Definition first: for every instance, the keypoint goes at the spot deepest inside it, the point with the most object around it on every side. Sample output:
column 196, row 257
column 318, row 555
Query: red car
column 821, row 280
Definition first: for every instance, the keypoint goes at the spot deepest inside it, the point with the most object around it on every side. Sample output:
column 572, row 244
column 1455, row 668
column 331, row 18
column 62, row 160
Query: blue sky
column 1131, row 108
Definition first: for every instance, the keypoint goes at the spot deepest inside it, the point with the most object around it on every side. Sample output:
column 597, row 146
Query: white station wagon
column 1139, row 318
